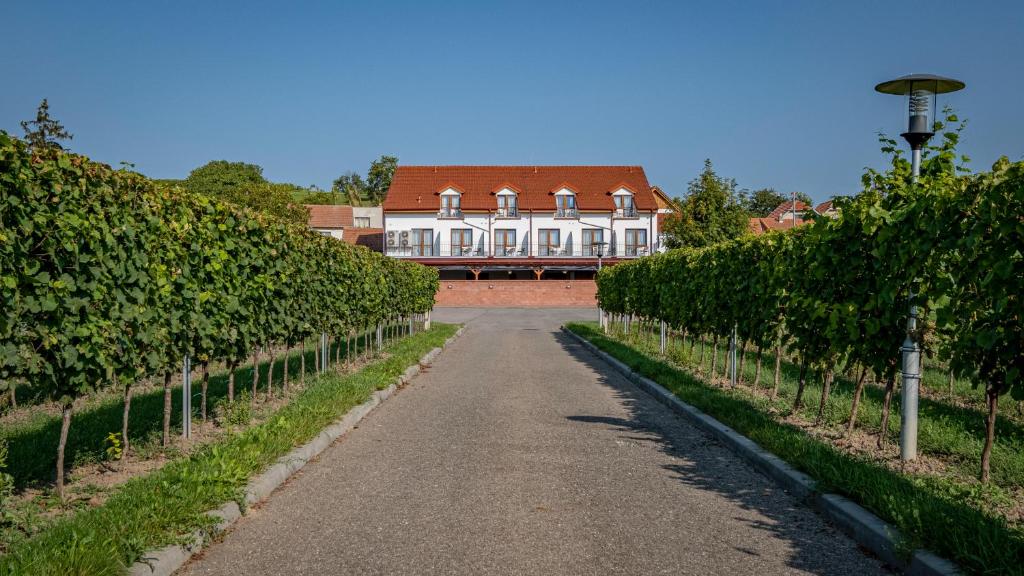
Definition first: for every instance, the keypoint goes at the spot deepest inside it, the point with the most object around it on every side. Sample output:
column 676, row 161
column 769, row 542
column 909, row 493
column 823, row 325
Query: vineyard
column 825, row 307
column 108, row 282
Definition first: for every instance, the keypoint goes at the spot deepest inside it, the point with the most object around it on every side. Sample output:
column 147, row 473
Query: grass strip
column 929, row 514
column 159, row 509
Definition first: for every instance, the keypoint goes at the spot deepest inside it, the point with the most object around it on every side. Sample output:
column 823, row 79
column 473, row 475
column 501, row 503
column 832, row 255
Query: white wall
column 374, row 213
column 571, row 229
column 332, row 232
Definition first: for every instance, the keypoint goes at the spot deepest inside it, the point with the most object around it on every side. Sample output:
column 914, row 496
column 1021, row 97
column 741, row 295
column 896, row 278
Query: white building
column 519, row 221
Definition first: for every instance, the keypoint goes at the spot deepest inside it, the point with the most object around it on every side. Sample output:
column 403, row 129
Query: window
column 362, row 221
column 636, row 242
column 592, row 241
column 422, row 242
column 462, row 242
column 504, row 242
column 566, row 205
column 507, row 206
column 624, row 205
column 548, row 243
column 451, row 205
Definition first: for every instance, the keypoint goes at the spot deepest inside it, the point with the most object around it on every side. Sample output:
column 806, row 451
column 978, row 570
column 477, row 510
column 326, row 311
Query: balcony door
column 624, row 205
column 548, row 242
column 462, row 242
column 592, row 241
column 505, row 242
column 636, row 242
column 422, row 242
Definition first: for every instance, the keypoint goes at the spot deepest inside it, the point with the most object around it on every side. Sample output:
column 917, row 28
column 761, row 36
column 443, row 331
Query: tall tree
column 711, row 212
column 351, row 187
column 378, row 179
column 44, row 132
column 761, row 202
column 220, row 177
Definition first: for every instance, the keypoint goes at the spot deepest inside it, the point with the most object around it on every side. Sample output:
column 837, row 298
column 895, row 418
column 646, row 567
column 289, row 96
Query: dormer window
column 508, row 203
column 565, row 204
column 451, row 204
column 624, row 207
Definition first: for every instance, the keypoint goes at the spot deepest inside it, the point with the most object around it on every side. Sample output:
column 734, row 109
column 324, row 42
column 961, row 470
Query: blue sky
column 776, row 93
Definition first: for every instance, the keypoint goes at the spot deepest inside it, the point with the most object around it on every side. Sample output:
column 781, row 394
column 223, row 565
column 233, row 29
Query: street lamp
column 921, row 91
column 599, row 246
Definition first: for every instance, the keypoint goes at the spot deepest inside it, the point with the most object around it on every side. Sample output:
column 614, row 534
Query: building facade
column 519, row 222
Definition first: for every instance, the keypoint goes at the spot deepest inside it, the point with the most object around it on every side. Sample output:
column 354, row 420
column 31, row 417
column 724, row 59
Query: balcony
column 511, row 212
column 569, row 212
column 450, row 213
column 626, row 212
column 522, row 250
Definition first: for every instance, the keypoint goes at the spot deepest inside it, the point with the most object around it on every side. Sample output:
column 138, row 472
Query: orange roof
column 329, row 216
column 372, row 238
column 418, row 187
column 762, row 225
column 661, row 199
column 787, row 206
column 823, row 207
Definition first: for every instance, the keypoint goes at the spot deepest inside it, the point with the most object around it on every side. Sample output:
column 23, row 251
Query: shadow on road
column 704, row 463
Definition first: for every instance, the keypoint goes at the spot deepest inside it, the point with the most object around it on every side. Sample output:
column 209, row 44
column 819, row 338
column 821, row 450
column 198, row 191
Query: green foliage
column 762, row 202
column 106, row 278
column 221, row 177
column 44, row 132
column 238, row 413
column 350, row 188
column 937, row 513
column 113, row 449
column 378, row 178
column 711, row 212
column 6, row 481
column 159, row 509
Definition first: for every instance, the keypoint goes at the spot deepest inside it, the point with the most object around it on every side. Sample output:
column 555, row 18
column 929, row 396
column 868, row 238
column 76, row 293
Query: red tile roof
column 372, row 238
column 787, row 206
column 823, row 207
column 762, row 225
column 418, row 187
column 329, row 216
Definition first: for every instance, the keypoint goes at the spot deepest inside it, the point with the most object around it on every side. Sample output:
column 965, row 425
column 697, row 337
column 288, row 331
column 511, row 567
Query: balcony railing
column 626, row 212
column 482, row 250
column 449, row 213
column 566, row 213
column 512, row 212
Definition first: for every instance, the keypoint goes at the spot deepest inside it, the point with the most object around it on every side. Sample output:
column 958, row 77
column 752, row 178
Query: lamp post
column 600, row 254
column 921, row 91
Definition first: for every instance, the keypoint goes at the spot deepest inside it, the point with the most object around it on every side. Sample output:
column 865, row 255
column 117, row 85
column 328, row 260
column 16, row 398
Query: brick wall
column 518, row 293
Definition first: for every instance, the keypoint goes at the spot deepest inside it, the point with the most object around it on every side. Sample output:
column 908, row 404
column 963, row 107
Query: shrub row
column 106, row 279
column 836, row 293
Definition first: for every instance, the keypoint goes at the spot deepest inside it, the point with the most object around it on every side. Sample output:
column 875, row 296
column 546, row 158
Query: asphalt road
column 519, row 452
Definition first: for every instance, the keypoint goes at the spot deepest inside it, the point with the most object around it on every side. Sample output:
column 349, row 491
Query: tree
column 269, row 198
column 761, row 202
column 351, row 187
column 378, row 179
column 220, row 177
column 44, row 132
column 711, row 212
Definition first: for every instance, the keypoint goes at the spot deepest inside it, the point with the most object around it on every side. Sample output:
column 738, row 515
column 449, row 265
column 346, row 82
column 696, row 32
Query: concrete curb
column 166, row 561
column 858, row 523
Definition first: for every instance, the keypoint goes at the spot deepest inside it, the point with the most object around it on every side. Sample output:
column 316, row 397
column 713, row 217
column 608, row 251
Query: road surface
column 518, row 452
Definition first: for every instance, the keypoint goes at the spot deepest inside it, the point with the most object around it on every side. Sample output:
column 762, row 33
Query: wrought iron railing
column 522, row 250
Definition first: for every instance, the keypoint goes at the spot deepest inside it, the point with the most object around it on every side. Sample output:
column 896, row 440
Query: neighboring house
column 330, row 220
column 359, row 225
column 827, row 208
column 666, row 207
column 512, row 222
column 368, row 216
column 790, row 214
